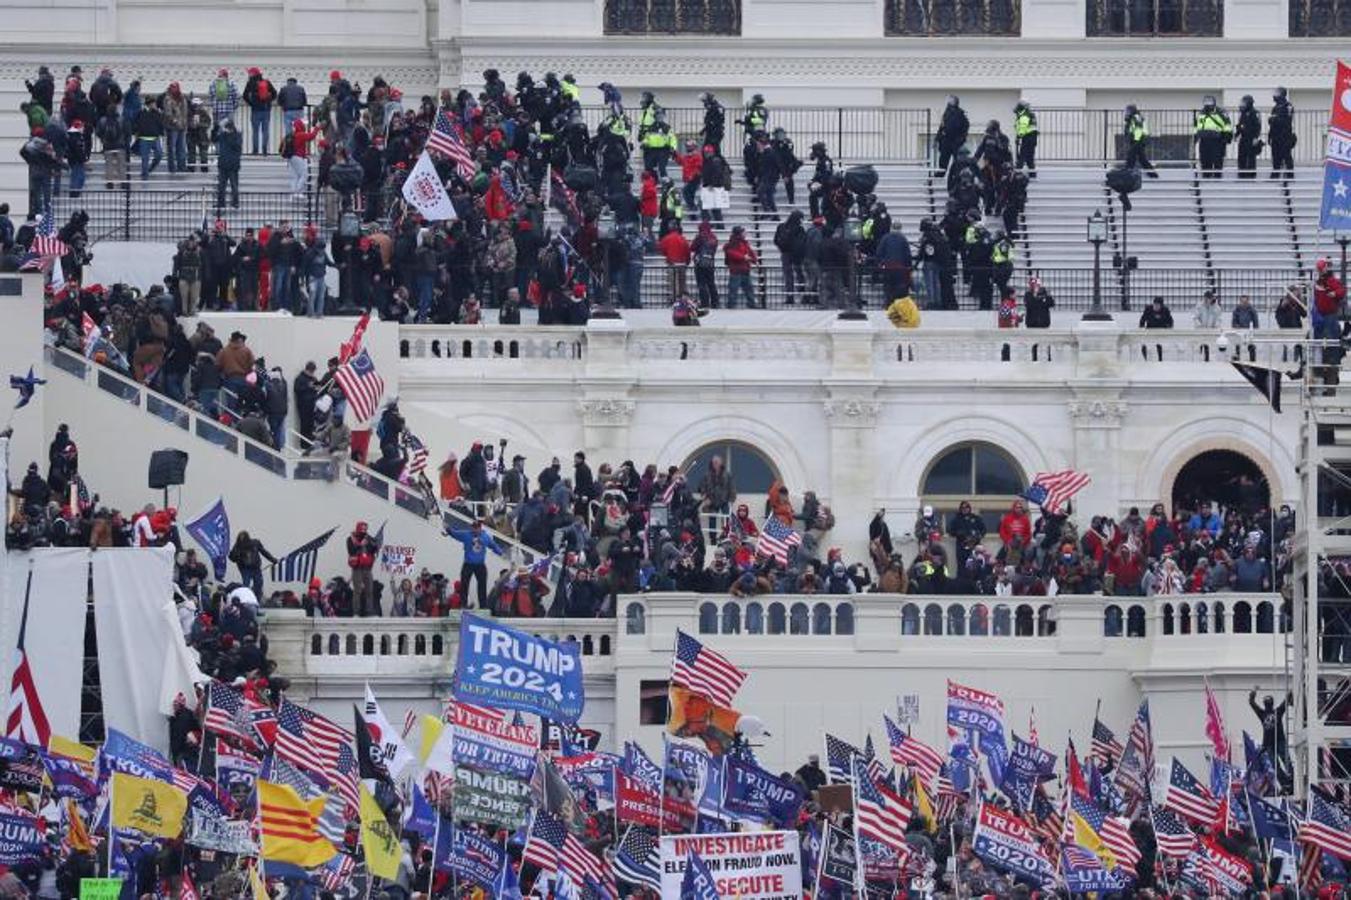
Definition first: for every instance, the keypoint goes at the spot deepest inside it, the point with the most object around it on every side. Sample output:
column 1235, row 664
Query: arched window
column 635, row 619
column 420, row 645
column 731, row 618
column 1135, row 622
column 980, row 620
column 1202, row 618
column 1022, row 621
column 1184, row 619
column 821, row 618
column 368, row 645
column 1265, row 619
column 976, row 471
column 798, row 619
column 708, row 618
column 844, row 618
column 1111, row 621
column 755, row 618
column 1242, row 617
column 752, row 471
column 910, row 619
column 384, row 645
column 1168, row 627
column 933, row 619
column 777, row 623
column 1219, row 618
column 351, row 645
column 1003, row 624
column 317, row 645
column 1045, row 620
column 334, row 645
column 956, row 619
column 403, row 645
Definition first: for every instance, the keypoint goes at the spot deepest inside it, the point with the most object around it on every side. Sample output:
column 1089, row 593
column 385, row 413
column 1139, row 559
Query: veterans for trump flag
column 424, row 191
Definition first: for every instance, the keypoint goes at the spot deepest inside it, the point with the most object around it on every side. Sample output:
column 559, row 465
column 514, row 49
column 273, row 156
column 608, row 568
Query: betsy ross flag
column 1189, row 797
column 27, row 719
column 700, row 670
column 776, row 540
column 1050, row 490
column 300, row 563
column 1105, row 749
column 362, row 386
column 447, row 139
column 1328, row 827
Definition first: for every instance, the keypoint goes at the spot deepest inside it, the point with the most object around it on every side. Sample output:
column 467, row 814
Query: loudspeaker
column 168, row 468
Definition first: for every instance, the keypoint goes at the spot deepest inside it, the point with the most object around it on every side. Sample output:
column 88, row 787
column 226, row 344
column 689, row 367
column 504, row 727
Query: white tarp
column 55, row 634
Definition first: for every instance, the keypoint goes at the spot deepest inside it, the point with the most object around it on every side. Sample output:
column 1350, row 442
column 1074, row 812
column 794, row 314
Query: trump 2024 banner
column 509, row 669
column 752, row 865
column 1335, row 214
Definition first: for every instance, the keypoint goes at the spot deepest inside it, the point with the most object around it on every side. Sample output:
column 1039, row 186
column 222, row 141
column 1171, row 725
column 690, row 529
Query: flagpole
column 1252, row 822
column 436, row 844
column 860, row 872
column 201, row 747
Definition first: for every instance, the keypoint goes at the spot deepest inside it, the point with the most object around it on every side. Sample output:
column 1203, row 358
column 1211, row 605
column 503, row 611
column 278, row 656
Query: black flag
column 370, row 761
column 1267, row 382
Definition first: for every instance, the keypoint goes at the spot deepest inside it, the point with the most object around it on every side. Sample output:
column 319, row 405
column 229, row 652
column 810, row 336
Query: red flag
column 1078, row 784
column 1215, row 726
column 350, row 347
column 187, row 890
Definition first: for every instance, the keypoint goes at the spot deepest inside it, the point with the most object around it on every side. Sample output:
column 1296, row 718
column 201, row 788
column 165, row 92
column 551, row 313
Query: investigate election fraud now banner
column 754, row 865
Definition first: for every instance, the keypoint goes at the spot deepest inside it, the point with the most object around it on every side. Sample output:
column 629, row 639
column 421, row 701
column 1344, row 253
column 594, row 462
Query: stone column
column 1096, row 411
column 851, row 412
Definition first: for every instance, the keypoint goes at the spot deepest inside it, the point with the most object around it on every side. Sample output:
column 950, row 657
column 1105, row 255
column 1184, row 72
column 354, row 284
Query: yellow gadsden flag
column 153, row 807
column 378, row 839
column 290, row 827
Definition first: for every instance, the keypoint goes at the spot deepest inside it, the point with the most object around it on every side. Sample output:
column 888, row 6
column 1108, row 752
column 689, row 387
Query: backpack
column 288, row 146
column 220, row 89
column 264, row 91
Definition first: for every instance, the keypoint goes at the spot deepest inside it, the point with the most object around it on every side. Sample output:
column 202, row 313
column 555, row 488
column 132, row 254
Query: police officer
column 658, row 145
column 1281, row 135
column 782, row 146
column 937, row 266
column 756, row 115
column 572, row 94
column 1137, row 139
column 767, row 173
column 1212, row 132
column 715, row 122
column 1249, row 133
column 1015, row 200
column 648, row 111
column 1001, row 261
column 1025, row 134
column 825, row 167
column 978, row 259
column 952, row 132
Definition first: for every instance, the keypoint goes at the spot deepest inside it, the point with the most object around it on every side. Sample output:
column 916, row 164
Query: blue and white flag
column 212, row 531
column 502, row 667
column 752, row 793
column 419, row 817
column 637, row 764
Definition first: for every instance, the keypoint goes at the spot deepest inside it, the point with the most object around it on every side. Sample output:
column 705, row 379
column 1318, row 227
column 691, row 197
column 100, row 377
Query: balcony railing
column 661, row 17
column 953, row 18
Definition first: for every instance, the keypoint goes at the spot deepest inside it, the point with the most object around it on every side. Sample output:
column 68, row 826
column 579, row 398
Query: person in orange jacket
column 648, row 207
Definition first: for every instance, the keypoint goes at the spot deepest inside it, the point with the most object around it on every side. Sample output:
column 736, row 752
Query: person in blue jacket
column 476, row 543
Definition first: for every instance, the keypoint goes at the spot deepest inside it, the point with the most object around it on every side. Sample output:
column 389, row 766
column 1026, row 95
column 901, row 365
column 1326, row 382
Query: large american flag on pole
column 227, row 713
column 1105, row 749
column 908, row 751
column 310, row 741
column 46, row 246
column 776, row 539
column 1327, row 827
column 1188, row 796
column 699, row 669
column 1050, row 490
column 447, row 139
column 362, row 386
column 27, row 720
column 882, row 814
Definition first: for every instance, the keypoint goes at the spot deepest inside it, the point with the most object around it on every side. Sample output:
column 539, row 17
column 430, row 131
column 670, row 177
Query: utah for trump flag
column 425, row 192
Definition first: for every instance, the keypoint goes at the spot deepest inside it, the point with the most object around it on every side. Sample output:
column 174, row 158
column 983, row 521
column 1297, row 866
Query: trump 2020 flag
column 424, row 190
column 1335, row 214
column 212, row 530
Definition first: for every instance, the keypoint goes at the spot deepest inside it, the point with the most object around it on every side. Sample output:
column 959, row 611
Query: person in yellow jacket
column 1212, row 133
column 658, row 142
column 1025, row 135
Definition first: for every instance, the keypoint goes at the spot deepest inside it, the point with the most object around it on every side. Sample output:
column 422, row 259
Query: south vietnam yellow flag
column 151, row 807
column 257, row 889
column 70, row 749
column 290, row 827
column 378, row 839
column 76, row 834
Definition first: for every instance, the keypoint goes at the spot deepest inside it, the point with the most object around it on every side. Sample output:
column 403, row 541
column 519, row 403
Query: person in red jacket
column 1016, row 522
column 676, row 250
column 691, row 170
column 297, row 143
column 1329, row 295
column 647, row 201
column 740, row 257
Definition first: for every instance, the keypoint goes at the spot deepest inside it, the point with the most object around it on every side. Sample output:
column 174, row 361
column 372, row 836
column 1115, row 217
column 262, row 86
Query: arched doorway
column 976, row 472
column 1224, row 477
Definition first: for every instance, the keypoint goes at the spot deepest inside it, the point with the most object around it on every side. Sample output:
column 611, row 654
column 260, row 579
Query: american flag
column 187, row 890
column 946, row 798
column 298, row 566
column 310, row 741
column 551, row 846
column 671, row 487
column 1033, row 737
column 699, row 669
column 335, row 874
column 638, row 859
column 1327, row 827
column 1105, row 749
column 46, row 246
column 1188, row 796
column 362, row 386
column 776, row 540
column 226, row 713
column 881, row 814
column 1172, row 835
column 1050, row 490
column 909, row 751
column 447, row 139
column 27, row 720
column 1310, row 867
column 1215, row 725
column 417, row 453
column 1048, row 822
column 839, row 759
column 1113, row 831
column 1136, row 770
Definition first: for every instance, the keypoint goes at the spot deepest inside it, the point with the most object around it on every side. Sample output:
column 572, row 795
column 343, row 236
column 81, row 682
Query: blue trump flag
column 212, row 530
column 753, row 793
column 21, row 843
column 508, row 669
column 1335, row 214
column 469, row 856
column 698, row 883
